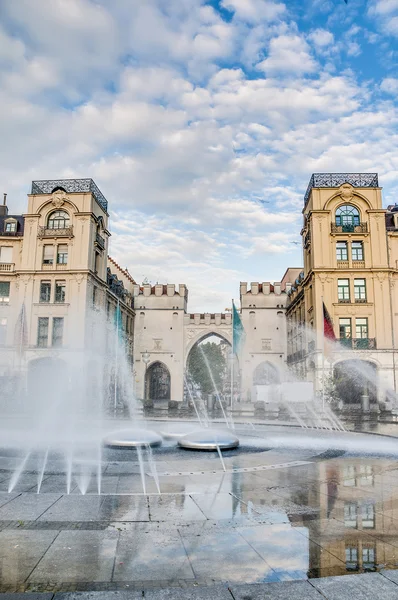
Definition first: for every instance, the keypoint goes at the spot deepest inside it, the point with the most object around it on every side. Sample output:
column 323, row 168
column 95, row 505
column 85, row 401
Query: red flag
column 328, row 331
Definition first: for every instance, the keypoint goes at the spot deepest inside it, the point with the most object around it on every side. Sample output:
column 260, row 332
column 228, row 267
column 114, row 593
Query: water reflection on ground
column 267, row 518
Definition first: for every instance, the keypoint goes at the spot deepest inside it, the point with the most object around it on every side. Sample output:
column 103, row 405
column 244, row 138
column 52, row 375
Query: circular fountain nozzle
column 209, row 439
column 131, row 438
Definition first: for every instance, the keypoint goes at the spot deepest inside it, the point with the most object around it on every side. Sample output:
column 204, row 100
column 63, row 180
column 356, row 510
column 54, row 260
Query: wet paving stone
column 289, row 590
column 151, row 554
column 174, row 508
column 20, row 551
column 27, row 506
column 357, row 587
column 78, row 556
column 202, row 593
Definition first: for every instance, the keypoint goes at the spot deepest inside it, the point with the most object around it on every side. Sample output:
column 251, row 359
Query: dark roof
column 70, row 186
column 335, row 180
column 20, row 225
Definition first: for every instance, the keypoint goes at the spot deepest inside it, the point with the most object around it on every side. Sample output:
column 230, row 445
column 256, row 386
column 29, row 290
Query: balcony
column 343, row 264
column 99, row 241
column 7, row 267
column 360, row 228
column 299, row 355
column 11, row 233
column 358, row 343
column 358, row 264
column 45, row 232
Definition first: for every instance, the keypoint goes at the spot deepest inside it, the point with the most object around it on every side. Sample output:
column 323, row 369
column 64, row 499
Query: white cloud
column 288, row 53
column 390, row 85
column 255, row 11
column 321, row 38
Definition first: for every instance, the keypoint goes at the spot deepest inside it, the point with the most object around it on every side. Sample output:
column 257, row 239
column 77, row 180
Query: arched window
column 347, row 216
column 265, row 374
column 59, row 219
column 157, row 384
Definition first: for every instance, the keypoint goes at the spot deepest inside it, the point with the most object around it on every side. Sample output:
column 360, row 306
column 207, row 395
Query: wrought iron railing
column 358, row 343
column 44, row 231
column 71, row 186
column 360, row 228
column 311, row 346
column 9, row 267
column 11, row 233
column 100, row 242
column 335, row 180
column 344, row 300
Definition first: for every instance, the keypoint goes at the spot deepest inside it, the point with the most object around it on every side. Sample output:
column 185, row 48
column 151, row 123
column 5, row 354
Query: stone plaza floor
column 275, row 516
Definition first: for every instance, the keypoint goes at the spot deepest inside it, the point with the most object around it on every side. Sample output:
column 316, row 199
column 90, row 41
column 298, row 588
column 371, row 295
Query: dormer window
column 347, row 217
column 10, row 226
column 58, row 219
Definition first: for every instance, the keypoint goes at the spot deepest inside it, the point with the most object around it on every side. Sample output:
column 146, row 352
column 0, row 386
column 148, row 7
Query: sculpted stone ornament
column 59, row 198
column 346, row 191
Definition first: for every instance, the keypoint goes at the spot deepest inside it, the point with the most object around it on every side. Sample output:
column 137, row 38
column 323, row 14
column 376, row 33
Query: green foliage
column 198, row 370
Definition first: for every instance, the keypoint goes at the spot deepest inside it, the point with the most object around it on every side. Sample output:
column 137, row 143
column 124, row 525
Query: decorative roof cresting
column 71, row 186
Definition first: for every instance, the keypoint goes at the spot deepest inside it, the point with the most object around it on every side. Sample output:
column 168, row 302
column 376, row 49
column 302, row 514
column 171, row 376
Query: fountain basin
column 209, row 439
column 132, row 438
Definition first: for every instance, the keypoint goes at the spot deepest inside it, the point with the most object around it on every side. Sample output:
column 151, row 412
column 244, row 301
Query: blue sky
column 201, row 122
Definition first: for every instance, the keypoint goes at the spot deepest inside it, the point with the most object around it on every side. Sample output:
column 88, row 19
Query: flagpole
column 232, row 358
column 323, row 357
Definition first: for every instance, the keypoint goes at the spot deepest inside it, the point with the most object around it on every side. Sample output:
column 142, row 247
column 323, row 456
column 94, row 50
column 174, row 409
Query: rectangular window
column 366, row 475
column 357, row 251
column 345, row 332
column 60, row 287
column 351, row 558
column 58, row 331
column 3, row 331
column 48, row 254
column 62, row 254
column 11, row 226
column 361, row 328
column 94, row 295
column 45, row 291
column 350, row 514
column 343, row 290
column 341, row 251
column 349, row 476
column 5, row 254
column 368, row 516
column 42, row 332
column 368, row 558
column 4, row 292
column 359, row 290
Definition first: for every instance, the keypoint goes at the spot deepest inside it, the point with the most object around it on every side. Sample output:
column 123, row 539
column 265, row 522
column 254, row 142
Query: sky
column 200, row 121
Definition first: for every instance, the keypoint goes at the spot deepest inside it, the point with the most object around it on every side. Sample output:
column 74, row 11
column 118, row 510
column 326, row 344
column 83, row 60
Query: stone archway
column 354, row 378
column 158, row 382
column 266, row 374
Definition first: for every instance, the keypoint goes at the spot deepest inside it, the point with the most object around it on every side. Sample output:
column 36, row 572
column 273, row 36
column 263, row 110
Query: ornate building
column 350, row 269
column 55, row 277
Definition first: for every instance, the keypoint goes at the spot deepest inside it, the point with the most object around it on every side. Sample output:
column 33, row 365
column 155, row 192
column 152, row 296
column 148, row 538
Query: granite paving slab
column 390, row 574
column 27, row 507
column 124, row 508
column 367, row 586
column 151, row 554
column 175, row 508
column 78, row 556
column 20, row 551
column 74, row 508
column 222, row 506
column 109, row 595
column 224, row 555
column 286, row 590
column 27, row 596
column 5, row 497
column 199, row 593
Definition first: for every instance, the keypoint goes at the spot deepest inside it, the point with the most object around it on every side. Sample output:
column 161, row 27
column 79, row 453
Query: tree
column 207, row 365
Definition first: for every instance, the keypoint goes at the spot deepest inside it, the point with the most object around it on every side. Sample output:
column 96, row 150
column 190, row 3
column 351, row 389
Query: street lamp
column 145, row 358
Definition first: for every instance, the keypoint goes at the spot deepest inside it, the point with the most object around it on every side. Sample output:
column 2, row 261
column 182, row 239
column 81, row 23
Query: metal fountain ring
column 209, row 439
column 132, row 438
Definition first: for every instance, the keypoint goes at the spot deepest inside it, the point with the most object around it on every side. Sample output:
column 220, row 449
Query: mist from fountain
column 67, row 396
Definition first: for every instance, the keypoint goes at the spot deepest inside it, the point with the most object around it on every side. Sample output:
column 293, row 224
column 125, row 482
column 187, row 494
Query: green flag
column 238, row 332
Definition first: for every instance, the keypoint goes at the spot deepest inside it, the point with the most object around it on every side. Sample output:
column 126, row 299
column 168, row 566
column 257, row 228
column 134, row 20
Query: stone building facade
column 56, row 277
column 350, row 270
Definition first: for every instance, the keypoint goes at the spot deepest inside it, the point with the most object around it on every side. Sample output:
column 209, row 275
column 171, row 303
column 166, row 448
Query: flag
column 21, row 331
column 119, row 324
column 328, row 330
column 238, row 332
